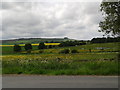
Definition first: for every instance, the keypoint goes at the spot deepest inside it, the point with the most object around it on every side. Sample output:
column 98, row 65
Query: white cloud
column 77, row 20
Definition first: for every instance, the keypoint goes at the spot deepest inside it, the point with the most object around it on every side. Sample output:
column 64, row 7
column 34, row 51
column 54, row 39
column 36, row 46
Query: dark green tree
column 50, row 46
column 17, row 48
column 111, row 23
column 74, row 51
column 28, row 46
column 65, row 51
column 41, row 46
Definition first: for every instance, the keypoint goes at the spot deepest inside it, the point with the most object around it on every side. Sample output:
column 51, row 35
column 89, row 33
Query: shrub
column 74, row 51
column 28, row 46
column 41, row 46
column 28, row 51
column 50, row 46
column 65, row 51
column 41, row 51
column 17, row 48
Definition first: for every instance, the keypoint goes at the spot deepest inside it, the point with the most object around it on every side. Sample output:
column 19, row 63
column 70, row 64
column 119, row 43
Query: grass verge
column 60, row 68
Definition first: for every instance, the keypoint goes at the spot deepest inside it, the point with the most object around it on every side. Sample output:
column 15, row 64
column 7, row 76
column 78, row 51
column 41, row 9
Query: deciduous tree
column 28, row 46
column 17, row 48
column 111, row 23
column 41, row 46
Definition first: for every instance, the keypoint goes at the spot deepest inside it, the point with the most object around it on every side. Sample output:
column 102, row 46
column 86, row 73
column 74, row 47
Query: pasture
column 97, row 62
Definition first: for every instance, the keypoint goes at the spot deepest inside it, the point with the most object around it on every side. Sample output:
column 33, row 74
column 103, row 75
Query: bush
column 17, row 48
column 41, row 46
column 50, row 46
column 65, row 51
column 28, row 51
column 28, row 46
column 41, row 51
column 74, row 51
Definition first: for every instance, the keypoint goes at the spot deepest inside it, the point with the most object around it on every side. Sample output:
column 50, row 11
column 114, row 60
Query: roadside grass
column 61, row 68
column 62, row 57
column 61, row 64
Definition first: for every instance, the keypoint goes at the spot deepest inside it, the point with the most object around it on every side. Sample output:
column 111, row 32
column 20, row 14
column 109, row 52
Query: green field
column 82, row 48
column 50, row 62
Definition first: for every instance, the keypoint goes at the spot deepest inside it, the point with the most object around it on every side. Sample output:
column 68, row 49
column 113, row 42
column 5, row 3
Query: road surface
column 39, row 81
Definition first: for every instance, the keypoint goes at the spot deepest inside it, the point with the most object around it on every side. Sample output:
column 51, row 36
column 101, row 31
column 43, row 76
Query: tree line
column 72, row 43
column 105, row 40
column 28, row 46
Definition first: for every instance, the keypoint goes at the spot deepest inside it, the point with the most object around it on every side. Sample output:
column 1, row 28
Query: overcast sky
column 77, row 20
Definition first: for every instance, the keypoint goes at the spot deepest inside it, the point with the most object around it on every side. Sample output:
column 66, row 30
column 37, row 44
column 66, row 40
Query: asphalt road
column 38, row 81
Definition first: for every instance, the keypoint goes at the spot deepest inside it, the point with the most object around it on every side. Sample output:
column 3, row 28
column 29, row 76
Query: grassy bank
column 52, row 67
column 61, row 64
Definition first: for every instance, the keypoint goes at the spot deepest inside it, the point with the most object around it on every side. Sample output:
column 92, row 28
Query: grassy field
column 83, row 48
column 50, row 62
column 8, row 49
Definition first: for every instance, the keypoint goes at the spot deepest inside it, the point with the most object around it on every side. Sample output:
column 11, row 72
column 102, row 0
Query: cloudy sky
column 77, row 20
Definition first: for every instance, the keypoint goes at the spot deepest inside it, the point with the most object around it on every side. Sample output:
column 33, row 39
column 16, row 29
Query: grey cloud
column 45, row 19
column 16, row 6
column 6, row 6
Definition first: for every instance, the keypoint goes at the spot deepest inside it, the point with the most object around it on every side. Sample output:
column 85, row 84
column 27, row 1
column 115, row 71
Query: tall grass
column 60, row 68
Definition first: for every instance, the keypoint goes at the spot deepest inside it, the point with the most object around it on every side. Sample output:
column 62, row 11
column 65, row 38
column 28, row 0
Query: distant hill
column 34, row 40
column 57, row 40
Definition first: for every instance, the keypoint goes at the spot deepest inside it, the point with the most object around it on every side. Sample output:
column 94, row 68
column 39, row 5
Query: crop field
column 51, row 62
column 8, row 49
column 32, row 44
